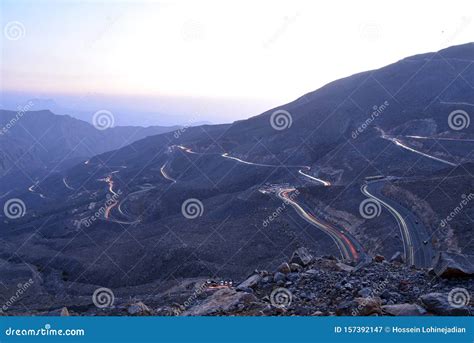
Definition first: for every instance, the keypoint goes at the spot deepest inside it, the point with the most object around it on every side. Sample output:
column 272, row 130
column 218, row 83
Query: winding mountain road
column 124, row 213
column 300, row 171
column 66, row 184
column 165, row 174
column 325, row 183
column 402, row 145
column 114, row 203
column 32, row 190
column 349, row 248
column 442, row 138
column 416, row 239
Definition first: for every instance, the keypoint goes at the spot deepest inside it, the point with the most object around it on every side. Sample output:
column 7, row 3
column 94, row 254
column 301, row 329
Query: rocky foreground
column 325, row 286
column 309, row 286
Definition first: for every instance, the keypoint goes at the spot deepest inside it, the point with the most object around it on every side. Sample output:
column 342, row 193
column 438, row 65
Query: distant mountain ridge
column 41, row 140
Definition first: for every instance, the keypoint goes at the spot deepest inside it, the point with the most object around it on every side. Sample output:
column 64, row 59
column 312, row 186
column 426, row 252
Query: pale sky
column 268, row 51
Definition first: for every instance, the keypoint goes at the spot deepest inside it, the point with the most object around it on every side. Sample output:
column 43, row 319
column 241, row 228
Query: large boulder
column 449, row 265
column 403, row 310
column 302, row 257
column 250, row 282
column 438, row 303
column 223, row 300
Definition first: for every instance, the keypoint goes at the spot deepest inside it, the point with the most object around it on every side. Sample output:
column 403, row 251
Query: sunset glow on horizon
column 212, row 49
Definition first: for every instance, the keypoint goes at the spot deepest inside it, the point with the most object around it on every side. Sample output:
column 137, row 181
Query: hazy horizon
column 162, row 62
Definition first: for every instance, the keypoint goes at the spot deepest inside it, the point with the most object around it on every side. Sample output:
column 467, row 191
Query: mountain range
column 373, row 164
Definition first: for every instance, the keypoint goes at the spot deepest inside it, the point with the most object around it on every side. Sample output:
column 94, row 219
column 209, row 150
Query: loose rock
column 295, row 267
column 279, row 277
column 379, row 258
column 221, row 301
column 139, row 309
column 449, row 265
column 250, row 282
column 302, row 257
column 438, row 303
column 344, row 267
column 368, row 306
column 404, row 310
column 284, row 268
